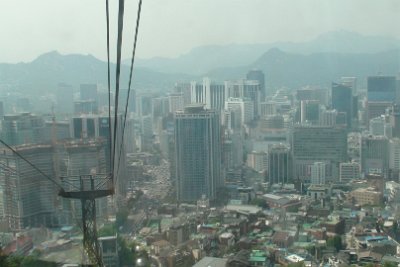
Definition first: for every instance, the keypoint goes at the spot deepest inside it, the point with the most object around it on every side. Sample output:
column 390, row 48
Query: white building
column 257, row 161
column 245, row 106
column 318, row 173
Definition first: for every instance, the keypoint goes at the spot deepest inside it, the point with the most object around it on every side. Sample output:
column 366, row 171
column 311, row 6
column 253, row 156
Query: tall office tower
column 342, row 101
column 23, row 128
column 352, row 83
column 374, row 154
column 160, row 106
column 176, row 102
column 349, row 171
column 144, row 104
column 394, row 119
column 85, row 157
column 85, row 107
column 272, row 122
column 65, row 99
column 377, row 126
column 309, row 112
column 313, row 94
column 88, row 127
column 257, row 160
column 185, row 89
column 212, row 95
column 279, row 164
column 232, row 157
column 328, row 117
column 376, row 109
column 268, row 108
column 246, row 107
column 245, row 89
column 394, row 154
column 318, row 173
column 28, row 198
column 198, row 153
column 258, row 75
column 317, row 143
column 89, row 92
column 381, row 88
column 1, row 110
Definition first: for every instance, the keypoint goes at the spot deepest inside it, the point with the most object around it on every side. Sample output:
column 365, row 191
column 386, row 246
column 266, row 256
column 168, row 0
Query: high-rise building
column 394, row 119
column 394, row 154
column 249, row 89
column 211, row 94
column 309, row 112
column 144, row 104
column 342, row 101
column 379, row 126
column 28, row 198
column 245, row 106
column 279, row 164
column 350, row 82
column 23, row 128
column 376, row 109
column 198, row 153
column 318, row 173
column 185, row 89
column 89, row 92
column 381, row 88
column 257, row 160
column 374, row 154
column 85, row 157
column 318, row 144
column 349, row 171
column 320, row 95
column 65, row 98
column 258, row 75
column 176, row 102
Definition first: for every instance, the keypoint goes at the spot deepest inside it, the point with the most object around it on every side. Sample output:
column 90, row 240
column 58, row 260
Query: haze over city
column 174, row 27
column 246, row 133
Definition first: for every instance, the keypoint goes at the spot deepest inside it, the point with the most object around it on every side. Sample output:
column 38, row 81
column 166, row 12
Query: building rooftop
column 211, row 262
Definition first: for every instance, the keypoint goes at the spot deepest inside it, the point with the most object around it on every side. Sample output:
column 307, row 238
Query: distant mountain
column 44, row 73
column 205, row 58
column 294, row 70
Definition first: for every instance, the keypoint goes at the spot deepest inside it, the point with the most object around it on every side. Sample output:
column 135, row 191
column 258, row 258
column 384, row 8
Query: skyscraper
column 342, row 101
column 279, row 164
column 318, row 144
column 309, row 112
column 318, row 173
column 374, row 154
column 198, row 153
column 381, row 88
column 65, row 98
column 211, row 94
column 258, row 75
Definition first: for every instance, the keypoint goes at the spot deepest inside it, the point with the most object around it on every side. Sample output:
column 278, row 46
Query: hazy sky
column 172, row 27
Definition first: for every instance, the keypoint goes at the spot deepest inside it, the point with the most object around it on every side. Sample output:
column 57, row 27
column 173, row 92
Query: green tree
column 297, row 264
column 389, row 264
column 335, row 242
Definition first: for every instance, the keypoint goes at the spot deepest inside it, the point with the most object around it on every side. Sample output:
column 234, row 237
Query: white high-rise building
column 212, row 95
column 245, row 89
column 245, row 106
column 394, row 154
column 318, row 173
column 176, row 102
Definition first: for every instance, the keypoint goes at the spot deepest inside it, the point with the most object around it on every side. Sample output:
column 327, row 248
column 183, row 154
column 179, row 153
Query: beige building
column 366, row 196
